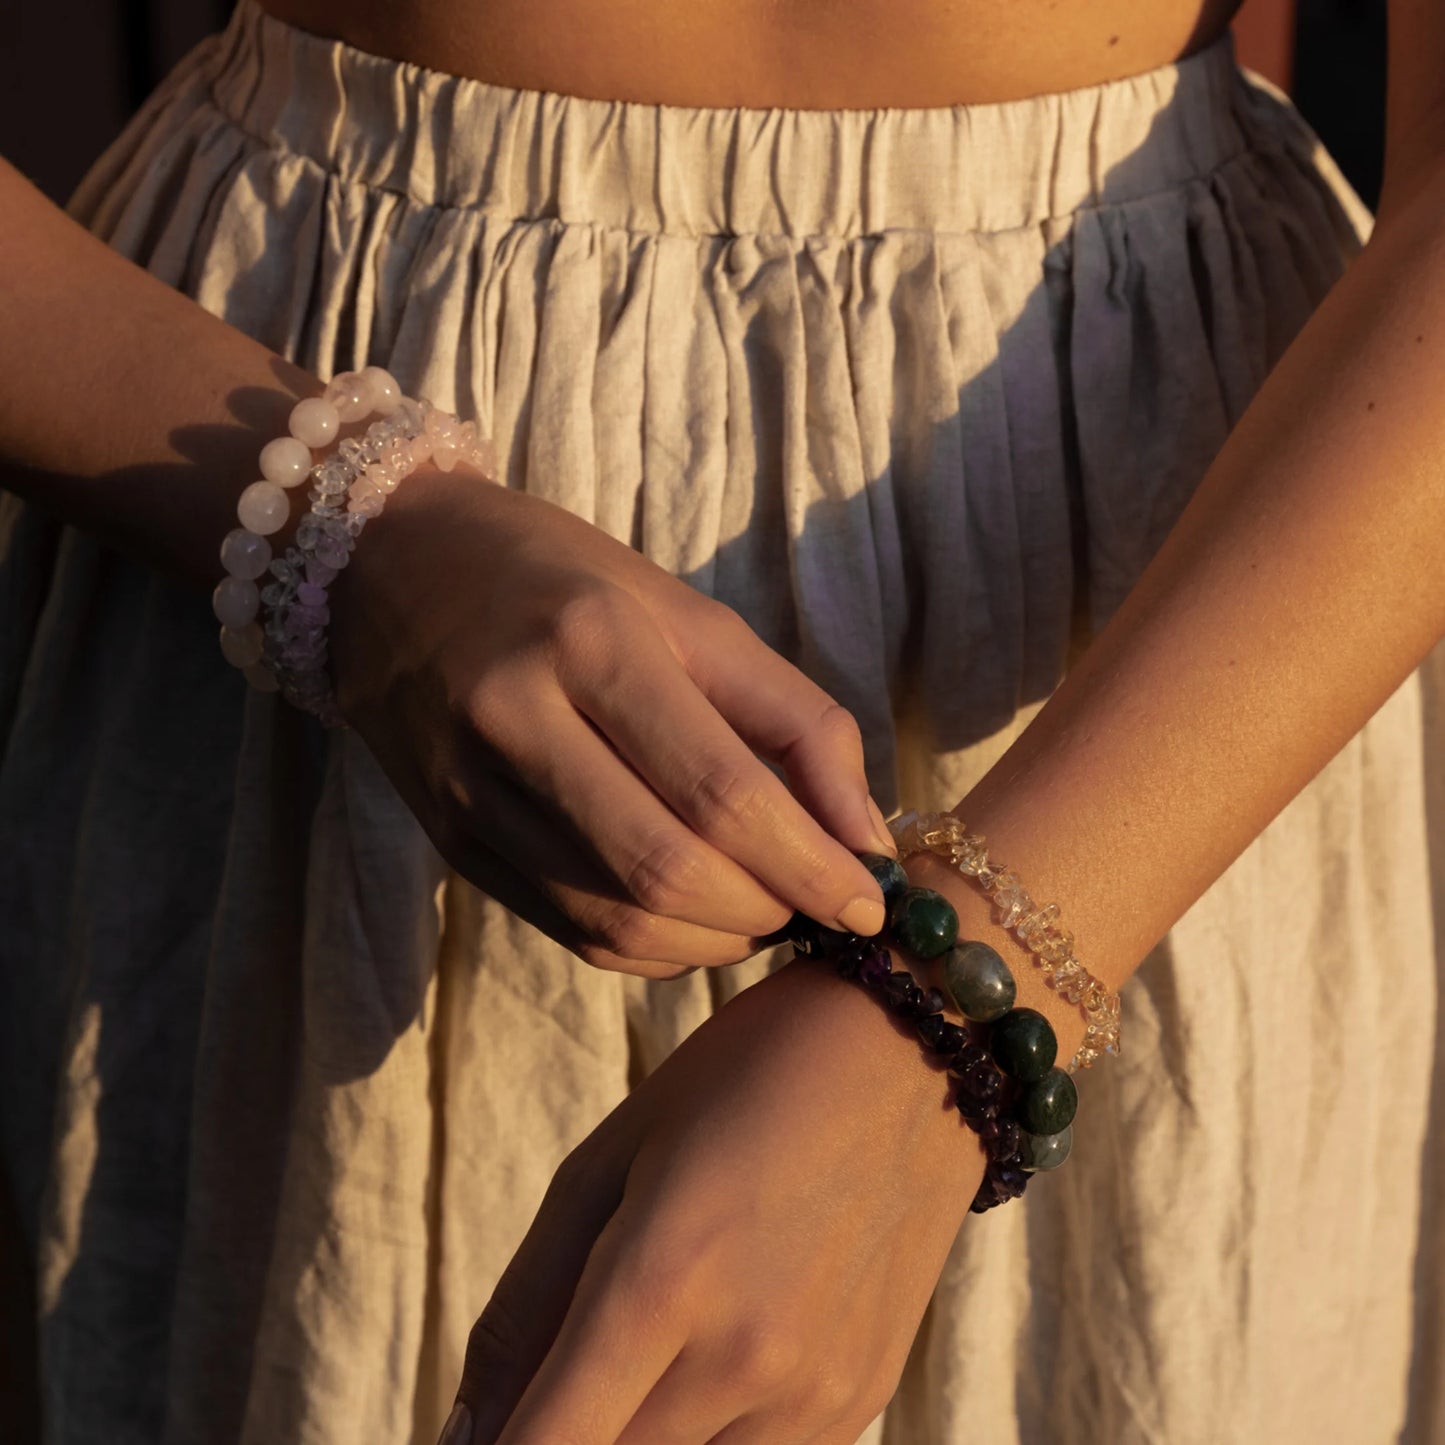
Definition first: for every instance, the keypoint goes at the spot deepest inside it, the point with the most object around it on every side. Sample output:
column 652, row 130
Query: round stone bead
column 263, row 508
column 1049, row 1105
column 285, row 462
column 981, row 983
column 1023, row 1045
column 888, row 874
column 235, row 602
column 1045, row 1151
column 241, row 647
column 924, row 922
column 350, row 395
column 382, row 389
column 260, row 677
column 314, row 422
column 244, row 554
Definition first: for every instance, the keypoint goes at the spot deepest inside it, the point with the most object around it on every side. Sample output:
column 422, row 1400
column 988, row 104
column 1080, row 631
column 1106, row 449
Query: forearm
column 126, row 408
column 1302, row 584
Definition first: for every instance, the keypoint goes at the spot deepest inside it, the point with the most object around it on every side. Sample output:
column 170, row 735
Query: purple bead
column 931, row 1029
column 932, row 1003
column 849, row 959
column 318, row 574
column 331, row 553
column 951, row 1038
column 875, row 968
column 901, row 992
column 1003, row 1143
column 310, row 595
column 970, row 1056
column 1010, row 1180
column 983, row 1083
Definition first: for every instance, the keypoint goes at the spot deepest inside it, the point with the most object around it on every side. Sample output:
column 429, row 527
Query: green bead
column 1038, row 1152
column 981, row 983
column 1048, row 1106
column 888, row 874
column 924, row 923
column 1023, row 1045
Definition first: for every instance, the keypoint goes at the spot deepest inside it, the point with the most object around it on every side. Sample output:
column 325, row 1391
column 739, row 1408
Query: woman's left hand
column 743, row 1249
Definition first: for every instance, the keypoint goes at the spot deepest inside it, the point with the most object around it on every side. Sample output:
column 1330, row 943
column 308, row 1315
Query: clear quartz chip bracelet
column 349, row 487
column 1037, row 928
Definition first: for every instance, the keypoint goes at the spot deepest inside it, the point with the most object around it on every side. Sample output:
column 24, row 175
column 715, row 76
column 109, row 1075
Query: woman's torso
column 795, row 53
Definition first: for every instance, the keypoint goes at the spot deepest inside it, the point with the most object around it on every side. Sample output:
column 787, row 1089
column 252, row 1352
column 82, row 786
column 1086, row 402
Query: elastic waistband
column 452, row 141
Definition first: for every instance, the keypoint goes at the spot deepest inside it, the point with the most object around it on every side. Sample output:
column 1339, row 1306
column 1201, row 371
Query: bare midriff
column 808, row 54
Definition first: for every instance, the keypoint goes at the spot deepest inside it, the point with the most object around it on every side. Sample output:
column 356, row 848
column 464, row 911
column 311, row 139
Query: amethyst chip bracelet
column 288, row 651
column 1001, row 1059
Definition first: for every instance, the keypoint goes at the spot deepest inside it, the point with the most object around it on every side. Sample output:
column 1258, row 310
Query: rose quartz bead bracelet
column 276, row 632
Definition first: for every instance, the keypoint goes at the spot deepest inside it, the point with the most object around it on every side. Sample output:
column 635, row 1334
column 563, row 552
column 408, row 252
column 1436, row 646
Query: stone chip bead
column 924, row 922
column 1048, row 1106
column 981, row 983
column 263, row 508
column 285, row 462
column 1038, row 1152
column 888, row 874
column 1023, row 1045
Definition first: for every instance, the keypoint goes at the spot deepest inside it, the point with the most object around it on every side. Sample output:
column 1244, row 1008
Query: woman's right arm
column 577, row 731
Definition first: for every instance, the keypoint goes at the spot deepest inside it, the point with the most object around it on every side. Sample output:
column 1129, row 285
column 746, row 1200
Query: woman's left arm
column 742, row 1251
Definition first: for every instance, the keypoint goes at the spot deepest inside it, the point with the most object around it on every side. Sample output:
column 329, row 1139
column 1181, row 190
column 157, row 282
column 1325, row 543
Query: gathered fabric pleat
column 919, row 394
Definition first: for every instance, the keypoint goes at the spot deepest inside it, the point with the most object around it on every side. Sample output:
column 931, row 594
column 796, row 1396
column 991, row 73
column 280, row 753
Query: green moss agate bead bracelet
column 1001, row 1062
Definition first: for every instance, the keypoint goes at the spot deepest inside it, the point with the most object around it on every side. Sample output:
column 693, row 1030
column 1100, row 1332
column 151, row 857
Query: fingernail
column 458, row 1429
column 881, row 835
column 862, row 915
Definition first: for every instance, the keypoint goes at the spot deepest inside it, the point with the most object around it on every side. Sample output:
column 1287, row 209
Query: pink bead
column 263, row 508
column 235, row 602
column 350, row 395
column 385, row 394
column 486, row 462
column 285, row 461
column 445, row 455
column 241, row 647
column 314, row 422
column 421, row 450
column 244, row 554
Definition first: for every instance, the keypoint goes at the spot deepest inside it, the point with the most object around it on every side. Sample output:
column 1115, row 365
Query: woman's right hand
column 578, row 732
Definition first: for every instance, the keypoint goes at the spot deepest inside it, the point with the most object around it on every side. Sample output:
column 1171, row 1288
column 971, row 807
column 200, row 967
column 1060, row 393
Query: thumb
column 516, row 1329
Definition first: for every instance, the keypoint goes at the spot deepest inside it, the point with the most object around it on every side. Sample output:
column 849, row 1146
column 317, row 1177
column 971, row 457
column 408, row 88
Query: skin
column 1180, row 734
column 804, row 53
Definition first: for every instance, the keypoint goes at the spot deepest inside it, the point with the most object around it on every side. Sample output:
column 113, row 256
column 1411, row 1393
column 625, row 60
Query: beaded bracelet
column 1007, row 1088
column 348, row 489
column 946, row 837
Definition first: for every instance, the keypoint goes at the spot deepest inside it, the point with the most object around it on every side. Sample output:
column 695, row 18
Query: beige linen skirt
column 919, row 393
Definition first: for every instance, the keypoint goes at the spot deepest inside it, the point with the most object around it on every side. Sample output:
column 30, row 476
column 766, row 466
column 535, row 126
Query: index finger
column 656, row 717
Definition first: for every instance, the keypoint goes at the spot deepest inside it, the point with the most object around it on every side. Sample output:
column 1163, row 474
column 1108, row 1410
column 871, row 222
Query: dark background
column 73, row 71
